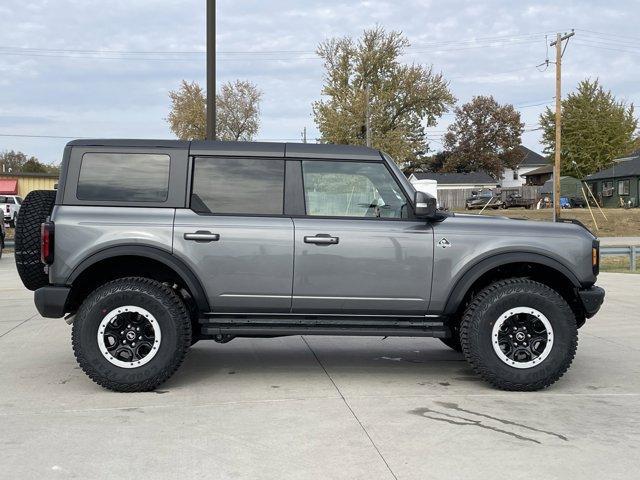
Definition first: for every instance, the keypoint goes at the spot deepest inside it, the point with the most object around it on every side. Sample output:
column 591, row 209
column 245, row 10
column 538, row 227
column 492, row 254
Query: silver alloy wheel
column 129, row 336
column 522, row 337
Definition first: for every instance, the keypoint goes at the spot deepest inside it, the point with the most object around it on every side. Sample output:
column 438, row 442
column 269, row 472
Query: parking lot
column 318, row 407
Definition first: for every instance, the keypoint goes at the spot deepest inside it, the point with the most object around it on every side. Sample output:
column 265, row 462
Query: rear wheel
column 519, row 334
column 131, row 334
column 35, row 209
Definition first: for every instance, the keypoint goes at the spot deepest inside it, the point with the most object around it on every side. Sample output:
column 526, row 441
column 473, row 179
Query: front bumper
column 51, row 301
column 591, row 299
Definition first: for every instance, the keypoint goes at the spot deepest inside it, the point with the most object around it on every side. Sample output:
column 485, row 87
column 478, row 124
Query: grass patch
column 616, row 264
column 619, row 223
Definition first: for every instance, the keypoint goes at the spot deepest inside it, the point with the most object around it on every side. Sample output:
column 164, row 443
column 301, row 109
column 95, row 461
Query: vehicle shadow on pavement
column 207, row 362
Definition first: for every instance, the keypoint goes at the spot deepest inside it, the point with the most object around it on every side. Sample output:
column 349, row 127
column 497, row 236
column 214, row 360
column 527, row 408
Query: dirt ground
column 619, row 222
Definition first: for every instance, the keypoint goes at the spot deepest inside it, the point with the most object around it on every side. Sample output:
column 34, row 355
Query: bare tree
column 238, row 111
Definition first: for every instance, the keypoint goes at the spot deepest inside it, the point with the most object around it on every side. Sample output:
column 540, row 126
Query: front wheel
column 519, row 334
column 131, row 334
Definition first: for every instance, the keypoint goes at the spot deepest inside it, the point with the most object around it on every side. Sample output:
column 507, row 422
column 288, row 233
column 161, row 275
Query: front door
column 357, row 249
column 235, row 237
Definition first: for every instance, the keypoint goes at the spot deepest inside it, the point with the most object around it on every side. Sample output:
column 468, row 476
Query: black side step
column 275, row 325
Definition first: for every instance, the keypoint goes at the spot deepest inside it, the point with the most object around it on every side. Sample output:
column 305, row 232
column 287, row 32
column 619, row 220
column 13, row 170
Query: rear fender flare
column 153, row 253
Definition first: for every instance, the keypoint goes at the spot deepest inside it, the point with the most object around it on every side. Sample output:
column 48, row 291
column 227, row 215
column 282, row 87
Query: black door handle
column 322, row 239
column 202, row 236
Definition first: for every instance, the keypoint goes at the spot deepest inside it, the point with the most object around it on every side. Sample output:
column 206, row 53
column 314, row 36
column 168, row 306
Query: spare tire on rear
column 35, row 209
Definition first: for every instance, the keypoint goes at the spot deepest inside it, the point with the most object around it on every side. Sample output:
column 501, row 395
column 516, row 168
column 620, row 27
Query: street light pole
column 211, row 69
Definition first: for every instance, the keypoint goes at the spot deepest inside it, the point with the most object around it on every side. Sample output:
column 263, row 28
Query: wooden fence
column 455, row 198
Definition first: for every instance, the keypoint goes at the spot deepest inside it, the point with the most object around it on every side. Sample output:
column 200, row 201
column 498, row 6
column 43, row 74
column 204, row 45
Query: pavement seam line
column 21, row 323
column 610, row 341
column 349, row 407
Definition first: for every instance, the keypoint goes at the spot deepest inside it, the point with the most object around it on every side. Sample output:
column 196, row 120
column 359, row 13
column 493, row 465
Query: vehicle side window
column 124, row 177
column 19, row 200
column 10, row 201
column 238, row 186
column 352, row 189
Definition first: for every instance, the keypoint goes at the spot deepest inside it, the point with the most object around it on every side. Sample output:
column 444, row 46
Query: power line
column 608, row 35
column 473, row 40
column 585, row 44
column 173, row 55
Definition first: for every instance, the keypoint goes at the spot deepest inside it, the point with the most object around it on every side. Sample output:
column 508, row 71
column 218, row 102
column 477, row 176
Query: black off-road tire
column 172, row 317
column 35, row 209
column 485, row 309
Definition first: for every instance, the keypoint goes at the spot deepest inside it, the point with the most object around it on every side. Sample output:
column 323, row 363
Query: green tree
column 12, row 161
column 33, row 166
column 596, row 128
column 237, row 111
column 188, row 116
column 430, row 163
column 484, row 136
column 17, row 162
column 403, row 99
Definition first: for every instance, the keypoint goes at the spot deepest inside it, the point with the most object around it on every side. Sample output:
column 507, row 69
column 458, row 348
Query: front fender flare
column 466, row 280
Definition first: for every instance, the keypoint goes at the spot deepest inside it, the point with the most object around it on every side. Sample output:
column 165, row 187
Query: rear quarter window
column 124, row 177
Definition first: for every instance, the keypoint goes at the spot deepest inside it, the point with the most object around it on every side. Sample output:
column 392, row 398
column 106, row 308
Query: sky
column 85, row 68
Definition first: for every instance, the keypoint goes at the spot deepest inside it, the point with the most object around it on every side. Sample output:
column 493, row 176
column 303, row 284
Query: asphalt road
column 313, row 407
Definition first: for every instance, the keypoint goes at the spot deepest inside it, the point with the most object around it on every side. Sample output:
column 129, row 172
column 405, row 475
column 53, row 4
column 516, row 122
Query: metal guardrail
column 631, row 252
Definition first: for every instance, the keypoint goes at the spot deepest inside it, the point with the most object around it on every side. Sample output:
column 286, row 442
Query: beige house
column 22, row 183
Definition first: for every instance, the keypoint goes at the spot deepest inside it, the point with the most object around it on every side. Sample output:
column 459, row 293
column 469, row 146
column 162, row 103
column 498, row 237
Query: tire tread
column 469, row 334
column 35, row 209
column 162, row 293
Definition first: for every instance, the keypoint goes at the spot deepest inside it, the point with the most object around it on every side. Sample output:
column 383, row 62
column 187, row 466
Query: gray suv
column 149, row 246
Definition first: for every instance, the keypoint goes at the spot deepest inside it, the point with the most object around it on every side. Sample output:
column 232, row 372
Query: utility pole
column 304, row 135
column 367, row 120
column 556, row 167
column 211, row 69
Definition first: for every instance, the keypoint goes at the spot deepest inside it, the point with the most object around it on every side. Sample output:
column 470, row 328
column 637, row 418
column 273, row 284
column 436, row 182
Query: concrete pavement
column 318, row 407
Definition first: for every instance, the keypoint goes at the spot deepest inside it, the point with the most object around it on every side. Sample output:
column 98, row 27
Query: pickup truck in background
column 10, row 206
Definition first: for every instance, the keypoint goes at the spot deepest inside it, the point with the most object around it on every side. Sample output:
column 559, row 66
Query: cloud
column 482, row 48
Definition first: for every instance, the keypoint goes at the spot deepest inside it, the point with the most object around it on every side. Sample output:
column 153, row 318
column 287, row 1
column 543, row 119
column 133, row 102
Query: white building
column 513, row 178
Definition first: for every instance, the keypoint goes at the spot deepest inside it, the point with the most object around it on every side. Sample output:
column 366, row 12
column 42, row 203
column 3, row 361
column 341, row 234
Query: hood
column 494, row 225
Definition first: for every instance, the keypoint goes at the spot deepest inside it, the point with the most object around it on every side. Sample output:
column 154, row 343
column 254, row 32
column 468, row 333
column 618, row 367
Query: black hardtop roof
column 244, row 149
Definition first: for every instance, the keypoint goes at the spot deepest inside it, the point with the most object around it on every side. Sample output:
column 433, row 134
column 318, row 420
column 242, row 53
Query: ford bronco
column 148, row 246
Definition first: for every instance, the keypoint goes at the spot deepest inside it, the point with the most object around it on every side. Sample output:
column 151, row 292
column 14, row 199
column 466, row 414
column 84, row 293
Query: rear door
column 235, row 236
column 357, row 249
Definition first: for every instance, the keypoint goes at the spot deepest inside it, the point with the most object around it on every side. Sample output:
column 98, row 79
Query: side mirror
column 426, row 205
